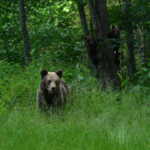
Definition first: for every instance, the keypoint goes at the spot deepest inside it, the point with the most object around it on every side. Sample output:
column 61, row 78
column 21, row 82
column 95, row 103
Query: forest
column 103, row 49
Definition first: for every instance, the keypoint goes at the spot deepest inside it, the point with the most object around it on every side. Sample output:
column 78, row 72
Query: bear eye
column 49, row 81
column 56, row 82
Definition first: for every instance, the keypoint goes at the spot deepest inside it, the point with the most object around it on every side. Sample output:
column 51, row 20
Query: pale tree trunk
column 24, row 32
column 107, row 68
column 130, row 41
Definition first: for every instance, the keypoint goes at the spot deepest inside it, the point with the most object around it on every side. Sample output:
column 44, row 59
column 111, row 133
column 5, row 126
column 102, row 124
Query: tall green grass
column 98, row 123
column 91, row 120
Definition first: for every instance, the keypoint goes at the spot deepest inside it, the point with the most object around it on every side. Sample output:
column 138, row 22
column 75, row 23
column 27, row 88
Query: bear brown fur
column 115, row 34
column 52, row 90
column 91, row 47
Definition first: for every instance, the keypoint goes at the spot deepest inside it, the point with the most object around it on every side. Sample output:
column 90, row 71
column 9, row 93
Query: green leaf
column 66, row 9
column 149, row 74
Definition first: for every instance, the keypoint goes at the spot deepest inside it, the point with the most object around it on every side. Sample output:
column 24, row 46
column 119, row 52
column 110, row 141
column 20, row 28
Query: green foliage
column 113, row 14
column 143, row 76
column 10, row 42
column 122, row 79
column 51, row 27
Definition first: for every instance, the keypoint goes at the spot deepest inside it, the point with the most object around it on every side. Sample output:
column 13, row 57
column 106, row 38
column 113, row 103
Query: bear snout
column 53, row 89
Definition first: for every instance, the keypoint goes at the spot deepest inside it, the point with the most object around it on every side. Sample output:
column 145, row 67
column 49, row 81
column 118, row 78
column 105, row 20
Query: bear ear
column 113, row 26
column 59, row 73
column 43, row 72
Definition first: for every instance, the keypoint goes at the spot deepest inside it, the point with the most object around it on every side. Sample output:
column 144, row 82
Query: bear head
column 114, row 33
column 89, row 39
column 51, row 80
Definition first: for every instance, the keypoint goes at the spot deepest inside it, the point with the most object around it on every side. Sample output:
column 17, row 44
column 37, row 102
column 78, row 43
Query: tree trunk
column 106, row 67
column 130, row 41
column 101, row 9
column 85, row 29
column 82, row 17
column 24, row 32
column 94, row 18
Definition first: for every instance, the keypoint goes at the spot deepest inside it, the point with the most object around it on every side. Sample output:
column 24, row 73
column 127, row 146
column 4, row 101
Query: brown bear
column 52, row 90
column 115, row 34
column 91, row 47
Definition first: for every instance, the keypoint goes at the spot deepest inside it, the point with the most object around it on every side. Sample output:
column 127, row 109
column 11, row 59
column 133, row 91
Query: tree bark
column 106, row 67
column 82, row 17
column 24, row 32
column 85, row 28
column 94, row 18
column 101, row 9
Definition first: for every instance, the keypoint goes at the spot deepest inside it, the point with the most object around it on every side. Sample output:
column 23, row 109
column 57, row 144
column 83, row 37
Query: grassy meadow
column 91, row 120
